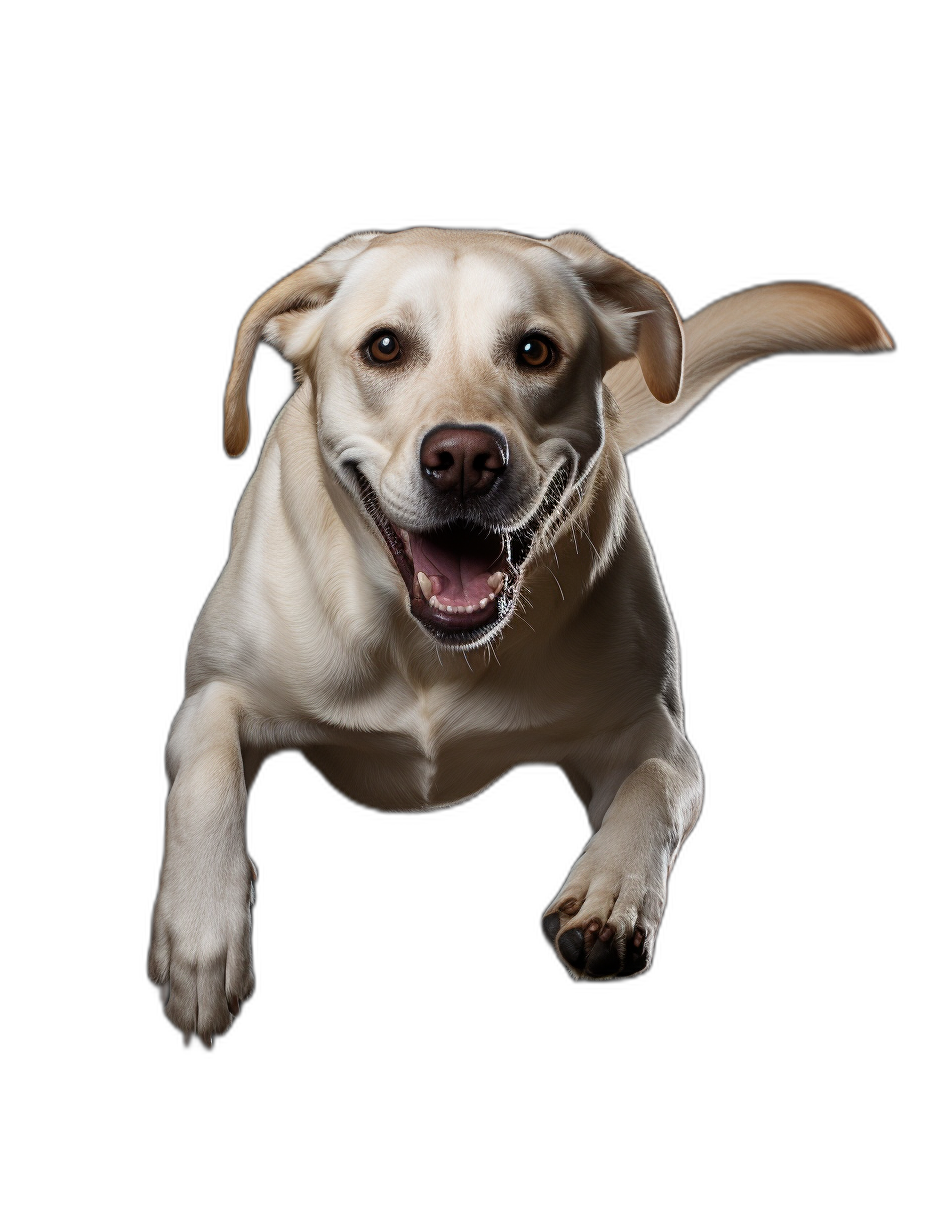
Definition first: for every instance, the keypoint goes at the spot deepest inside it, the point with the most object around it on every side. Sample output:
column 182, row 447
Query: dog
column 453, row 450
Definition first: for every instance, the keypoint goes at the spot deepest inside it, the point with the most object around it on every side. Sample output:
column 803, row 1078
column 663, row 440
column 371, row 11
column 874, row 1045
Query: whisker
column 593, row 547
column 556, row 582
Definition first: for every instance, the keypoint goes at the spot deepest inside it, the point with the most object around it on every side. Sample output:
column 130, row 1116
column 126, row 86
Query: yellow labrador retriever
column 455, row 445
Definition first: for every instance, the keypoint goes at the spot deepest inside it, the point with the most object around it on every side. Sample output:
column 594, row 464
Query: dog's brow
column 404, row 321
column 518, row 325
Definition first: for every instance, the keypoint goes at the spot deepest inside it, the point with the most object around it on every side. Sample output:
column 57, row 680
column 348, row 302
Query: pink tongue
column 461, row 561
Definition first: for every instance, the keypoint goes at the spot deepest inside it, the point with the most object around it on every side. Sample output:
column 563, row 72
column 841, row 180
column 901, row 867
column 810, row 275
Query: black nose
column 464, row 460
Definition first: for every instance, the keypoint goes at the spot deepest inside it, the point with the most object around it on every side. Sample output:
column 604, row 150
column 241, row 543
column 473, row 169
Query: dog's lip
column 448, row 623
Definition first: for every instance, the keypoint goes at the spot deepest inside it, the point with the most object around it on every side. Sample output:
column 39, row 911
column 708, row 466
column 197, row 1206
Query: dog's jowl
column 455, row 444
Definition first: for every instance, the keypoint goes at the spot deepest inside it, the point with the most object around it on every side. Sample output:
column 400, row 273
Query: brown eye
column 384, row 348
column 535, row 351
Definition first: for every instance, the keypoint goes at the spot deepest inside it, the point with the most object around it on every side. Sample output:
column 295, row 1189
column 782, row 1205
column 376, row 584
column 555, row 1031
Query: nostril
column 463, row 459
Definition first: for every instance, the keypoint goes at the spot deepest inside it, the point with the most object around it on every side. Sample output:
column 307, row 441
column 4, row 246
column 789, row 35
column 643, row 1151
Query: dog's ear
column 310, row 286
column 635, row 314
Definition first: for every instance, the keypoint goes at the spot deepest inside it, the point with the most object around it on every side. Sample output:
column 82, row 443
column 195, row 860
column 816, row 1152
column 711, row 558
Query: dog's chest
column 407, row 747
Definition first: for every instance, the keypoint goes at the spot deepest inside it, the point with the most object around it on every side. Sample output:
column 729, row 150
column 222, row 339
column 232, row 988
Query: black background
column 773, row 515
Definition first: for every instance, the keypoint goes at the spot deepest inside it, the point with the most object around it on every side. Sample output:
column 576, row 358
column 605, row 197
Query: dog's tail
column 782, row 316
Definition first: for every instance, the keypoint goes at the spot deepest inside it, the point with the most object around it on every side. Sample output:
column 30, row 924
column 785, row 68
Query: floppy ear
column 635, row 314
column 310, row 286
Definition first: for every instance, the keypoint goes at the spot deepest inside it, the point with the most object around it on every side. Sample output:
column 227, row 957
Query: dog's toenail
column 594, row 926
column 551, row 925
column 570, row 907
column 603, row 960
column 571, row 948
column 638, row 939
column 607, row 933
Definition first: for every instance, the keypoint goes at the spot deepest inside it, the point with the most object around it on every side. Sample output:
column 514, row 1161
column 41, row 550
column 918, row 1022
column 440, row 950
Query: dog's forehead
column 471, row 280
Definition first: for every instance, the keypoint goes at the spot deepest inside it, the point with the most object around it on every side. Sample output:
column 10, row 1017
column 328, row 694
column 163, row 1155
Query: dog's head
column 458, row 384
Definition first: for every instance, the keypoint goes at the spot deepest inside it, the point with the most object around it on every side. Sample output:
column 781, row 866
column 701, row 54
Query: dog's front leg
column 604, row 921
column 201, row 928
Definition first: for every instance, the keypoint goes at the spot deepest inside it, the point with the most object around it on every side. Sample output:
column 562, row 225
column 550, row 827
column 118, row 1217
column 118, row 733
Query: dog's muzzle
column 463, row 575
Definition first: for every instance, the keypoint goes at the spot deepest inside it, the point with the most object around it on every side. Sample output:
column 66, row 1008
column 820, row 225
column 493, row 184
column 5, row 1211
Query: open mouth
column 462, row 578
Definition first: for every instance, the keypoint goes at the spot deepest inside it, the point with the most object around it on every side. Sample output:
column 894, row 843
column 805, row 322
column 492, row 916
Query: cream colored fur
column 307, row 639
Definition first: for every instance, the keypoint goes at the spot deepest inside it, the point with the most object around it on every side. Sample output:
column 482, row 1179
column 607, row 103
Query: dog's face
column 458, row 385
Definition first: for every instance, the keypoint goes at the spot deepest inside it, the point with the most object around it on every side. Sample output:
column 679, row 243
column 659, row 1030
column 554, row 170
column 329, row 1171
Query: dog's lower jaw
column 493, row 561
column 463, row 625
column 462, row 629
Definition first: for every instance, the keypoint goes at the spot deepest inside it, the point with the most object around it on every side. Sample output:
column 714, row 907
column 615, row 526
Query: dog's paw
column 604, row 922
column 201, row 952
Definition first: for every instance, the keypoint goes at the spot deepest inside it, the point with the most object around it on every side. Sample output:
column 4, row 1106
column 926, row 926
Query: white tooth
column 495, row 582
column 404, row 535
column 470, row 607
column 459, row 610
column 433, row 602
column 484, row 602
column 425, row 585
